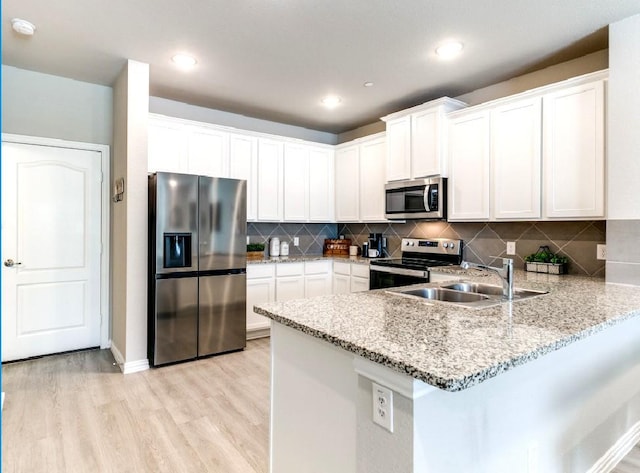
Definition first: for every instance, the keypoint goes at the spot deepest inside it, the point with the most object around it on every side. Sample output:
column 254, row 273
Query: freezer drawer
column 222, row 314
column 175, row 322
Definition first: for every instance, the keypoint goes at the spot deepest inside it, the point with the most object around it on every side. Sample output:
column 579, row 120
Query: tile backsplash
column 311, row 235
column 576, row 240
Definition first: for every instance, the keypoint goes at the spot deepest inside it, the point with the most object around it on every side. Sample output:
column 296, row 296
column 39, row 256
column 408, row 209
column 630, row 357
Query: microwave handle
column 427, row 197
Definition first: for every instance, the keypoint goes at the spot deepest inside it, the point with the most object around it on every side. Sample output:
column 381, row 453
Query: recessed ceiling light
column 368, row 84
column 184, row 61
column 23, row 27
column 331, row 101
column 449, row 49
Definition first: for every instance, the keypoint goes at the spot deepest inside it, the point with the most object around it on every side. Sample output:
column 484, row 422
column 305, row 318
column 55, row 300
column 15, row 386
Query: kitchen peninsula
column 545, row 384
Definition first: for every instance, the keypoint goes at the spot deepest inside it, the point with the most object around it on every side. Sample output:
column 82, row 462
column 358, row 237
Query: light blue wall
column 49, row 106
column 192, row 112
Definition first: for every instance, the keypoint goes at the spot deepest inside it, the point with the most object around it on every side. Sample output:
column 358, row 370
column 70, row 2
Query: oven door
column 384, row 277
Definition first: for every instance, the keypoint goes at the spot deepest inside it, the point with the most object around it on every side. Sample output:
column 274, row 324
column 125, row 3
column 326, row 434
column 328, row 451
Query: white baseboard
column 128, row 367
column 618, row 451
column 258, row 333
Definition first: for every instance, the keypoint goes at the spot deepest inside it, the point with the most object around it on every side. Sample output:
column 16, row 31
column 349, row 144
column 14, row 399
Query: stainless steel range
column 418, row 257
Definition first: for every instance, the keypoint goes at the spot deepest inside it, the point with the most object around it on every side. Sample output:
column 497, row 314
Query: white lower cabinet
column 289, row 281
column 350, row 277
column 261, row 287
column 317, row 278
column 359, row 277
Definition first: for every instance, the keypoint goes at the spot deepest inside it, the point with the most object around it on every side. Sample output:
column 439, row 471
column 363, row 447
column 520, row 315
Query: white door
column 51, row 244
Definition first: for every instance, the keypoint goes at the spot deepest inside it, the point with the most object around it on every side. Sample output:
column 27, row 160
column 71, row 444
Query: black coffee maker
column 377, row 242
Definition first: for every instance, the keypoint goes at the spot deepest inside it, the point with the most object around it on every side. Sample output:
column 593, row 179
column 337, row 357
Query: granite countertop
column 454, row 348
column 297, row 259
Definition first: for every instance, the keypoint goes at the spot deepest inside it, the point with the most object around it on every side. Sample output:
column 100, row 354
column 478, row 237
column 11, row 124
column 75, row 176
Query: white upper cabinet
column 296, row 183
column 243, row 156
column 516, row 159
column 308, row 183
column 574, row 152
column 321, row 185
column 417, row 140
column 347, row 184
column 208, row 152
column 399, row 148
column 427, row 143
column 168, row 146
column 372, row 180
column 270, row 162
column 545, row 158
column 469, row 161
column 360, row 178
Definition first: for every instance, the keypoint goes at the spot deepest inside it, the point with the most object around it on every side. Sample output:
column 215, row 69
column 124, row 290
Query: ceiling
column 276, row 59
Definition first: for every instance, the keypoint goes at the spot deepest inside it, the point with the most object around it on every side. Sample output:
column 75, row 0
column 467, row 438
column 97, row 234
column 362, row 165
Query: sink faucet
column 505, row 273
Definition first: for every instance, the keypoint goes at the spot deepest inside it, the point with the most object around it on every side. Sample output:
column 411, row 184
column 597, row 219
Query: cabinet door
column 208, row 152
column 347, row 184
column 296, row 183
column 372, row 180
column 341, row 284
column 516, row 135
column 469, row 167
column 426, row 144
column 573, row 152
column 359, row 284
column 259, row 291
column 270, row 180
column 317, row 285
column 321, row 185
column 399, row 149
column 243, row 153
column 290, row 287
column 167, row 147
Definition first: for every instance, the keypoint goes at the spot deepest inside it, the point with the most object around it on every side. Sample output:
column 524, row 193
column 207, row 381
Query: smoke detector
column 23, row 27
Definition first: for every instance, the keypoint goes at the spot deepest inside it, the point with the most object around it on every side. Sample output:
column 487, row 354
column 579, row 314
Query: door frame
column 105, row 243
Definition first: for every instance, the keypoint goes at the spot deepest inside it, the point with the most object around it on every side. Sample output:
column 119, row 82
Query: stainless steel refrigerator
column 197, row 266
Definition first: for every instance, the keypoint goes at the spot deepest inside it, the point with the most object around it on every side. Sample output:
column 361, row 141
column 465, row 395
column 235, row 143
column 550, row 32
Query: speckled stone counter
column 296, row 259
column 454, row 348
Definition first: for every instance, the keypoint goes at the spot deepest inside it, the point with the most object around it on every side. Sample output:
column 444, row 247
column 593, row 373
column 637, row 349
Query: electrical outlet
column 511, row 247
column 382, row 406
column 248, row 239
column 601, row 251
column 296, row 241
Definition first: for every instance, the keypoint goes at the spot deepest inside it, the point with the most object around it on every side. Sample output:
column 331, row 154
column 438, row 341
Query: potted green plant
column 545, row 261
column 255, row 251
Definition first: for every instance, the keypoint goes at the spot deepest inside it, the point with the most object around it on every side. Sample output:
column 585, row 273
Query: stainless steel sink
column 477, row 288
column 445, row 295
column 466, row 294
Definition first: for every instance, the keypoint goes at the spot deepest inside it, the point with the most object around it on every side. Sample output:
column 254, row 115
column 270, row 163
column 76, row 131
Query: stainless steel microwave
column 416, row 199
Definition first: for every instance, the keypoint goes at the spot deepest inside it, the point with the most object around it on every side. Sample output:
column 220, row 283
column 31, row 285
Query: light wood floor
column 630, row 463
column 78, row 413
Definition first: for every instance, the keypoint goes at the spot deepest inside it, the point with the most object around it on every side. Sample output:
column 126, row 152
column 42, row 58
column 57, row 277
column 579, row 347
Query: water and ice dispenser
column 177, row 250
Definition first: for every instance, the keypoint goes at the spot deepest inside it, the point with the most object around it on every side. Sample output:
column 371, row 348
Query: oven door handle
column 402, row 271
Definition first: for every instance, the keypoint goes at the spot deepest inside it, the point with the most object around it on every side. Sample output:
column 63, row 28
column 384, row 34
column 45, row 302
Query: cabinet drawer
column 289, row 269
column 317, row 267
column 360, row 270
column 341, row 268
column 256, row 271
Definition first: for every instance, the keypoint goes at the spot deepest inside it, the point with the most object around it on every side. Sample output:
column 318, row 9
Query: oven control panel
column 436, row 246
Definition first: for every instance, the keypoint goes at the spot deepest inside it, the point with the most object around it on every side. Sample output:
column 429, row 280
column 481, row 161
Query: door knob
column 10, row 263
